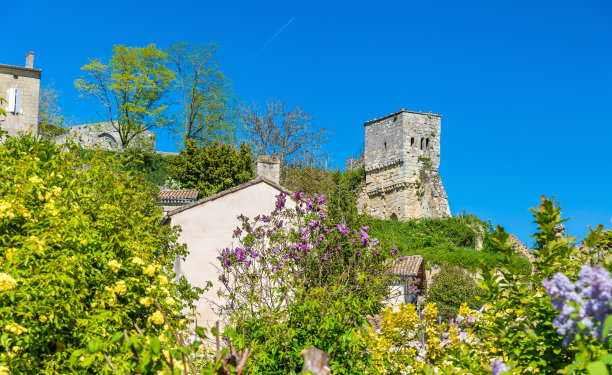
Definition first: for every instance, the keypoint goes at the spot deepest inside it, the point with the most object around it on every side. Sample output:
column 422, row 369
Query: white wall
column 208, row 228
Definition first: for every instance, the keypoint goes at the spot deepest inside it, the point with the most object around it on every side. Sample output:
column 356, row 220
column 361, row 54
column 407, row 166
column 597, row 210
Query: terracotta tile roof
column 407, row 266
column 230, row 191
column 178, row 194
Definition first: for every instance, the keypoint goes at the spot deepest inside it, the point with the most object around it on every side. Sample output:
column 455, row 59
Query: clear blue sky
column 524, row 87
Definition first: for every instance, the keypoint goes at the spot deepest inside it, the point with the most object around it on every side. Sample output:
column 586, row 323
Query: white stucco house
column 208, row 225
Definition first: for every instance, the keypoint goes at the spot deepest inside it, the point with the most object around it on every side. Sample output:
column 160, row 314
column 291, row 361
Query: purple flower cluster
column 584, row 304
column 498, row 366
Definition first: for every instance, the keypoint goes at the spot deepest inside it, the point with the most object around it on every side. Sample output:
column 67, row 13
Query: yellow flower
column 114, row 265
column 6, row 282
column 138, row 261
column 4, row 370
column 157, row 317
column 163, row 279
column 35, row 180
column 15, row 329
column 57, row 190
column 42, row 318
column 146, row 301
column 120, row 287
column 10, row 253
column 5, row 210
column 16, row 348
column 170, row 300
column 149, row 270
column 431, row 311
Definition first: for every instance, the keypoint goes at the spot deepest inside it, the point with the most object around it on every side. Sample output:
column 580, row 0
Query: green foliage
column 447, row 241
column 450, row 288
column 340, row 188
column 521, row 312
column 51, row 123
column 131, row 88
column 207, row 113
column 296, row 278
column 152, row 166
column 81, row 241
column 324, row 317
column 211, row 168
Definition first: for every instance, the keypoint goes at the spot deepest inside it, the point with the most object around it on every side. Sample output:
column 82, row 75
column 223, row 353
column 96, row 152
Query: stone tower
column 401, row 157
column 19, row 86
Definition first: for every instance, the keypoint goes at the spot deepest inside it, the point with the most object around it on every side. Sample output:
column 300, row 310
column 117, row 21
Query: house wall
column 26, row 120
column 207, row 229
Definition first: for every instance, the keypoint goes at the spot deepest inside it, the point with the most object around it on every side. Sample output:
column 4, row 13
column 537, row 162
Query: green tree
column 205, row 94
column 211, row 168
column 132, row 88
column 51, row 122
column 82, row 258
column 451, row 287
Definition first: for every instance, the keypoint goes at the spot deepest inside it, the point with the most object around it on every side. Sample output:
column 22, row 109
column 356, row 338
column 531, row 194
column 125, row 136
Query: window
column 427, row 143
column 412, row 142
column 14, row 100
column 422, row 143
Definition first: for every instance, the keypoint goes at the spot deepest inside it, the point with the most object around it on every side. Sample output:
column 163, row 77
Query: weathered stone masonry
column 20, row 86
column 401, row 158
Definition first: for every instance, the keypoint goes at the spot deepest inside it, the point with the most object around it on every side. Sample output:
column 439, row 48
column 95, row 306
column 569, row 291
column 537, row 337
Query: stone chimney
column 268, row 167
column 30, row 60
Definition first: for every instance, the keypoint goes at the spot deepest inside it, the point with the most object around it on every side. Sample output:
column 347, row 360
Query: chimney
column 30, row 60
column 268, row 167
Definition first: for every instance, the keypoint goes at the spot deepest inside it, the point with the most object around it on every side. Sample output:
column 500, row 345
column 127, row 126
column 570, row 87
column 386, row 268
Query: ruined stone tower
column 401, row 157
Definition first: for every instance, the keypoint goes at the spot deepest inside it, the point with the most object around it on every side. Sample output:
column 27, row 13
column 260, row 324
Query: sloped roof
column 256, row 181
column 20, row 68
column 178, row 194
column 407, row 266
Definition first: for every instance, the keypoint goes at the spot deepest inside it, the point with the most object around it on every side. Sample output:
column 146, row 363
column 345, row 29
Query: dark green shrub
column 451, row 287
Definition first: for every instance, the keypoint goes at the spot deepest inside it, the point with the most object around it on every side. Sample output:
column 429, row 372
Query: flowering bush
column 407, row 343
column 524, row 322
column 295, row 261
column 82, row 256
column 583, row 305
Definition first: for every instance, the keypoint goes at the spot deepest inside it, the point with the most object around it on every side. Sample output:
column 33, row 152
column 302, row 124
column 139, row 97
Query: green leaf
column 155, row 345
column 202, row 333
column 597, row 368
column 116, row 337
column 606, row 328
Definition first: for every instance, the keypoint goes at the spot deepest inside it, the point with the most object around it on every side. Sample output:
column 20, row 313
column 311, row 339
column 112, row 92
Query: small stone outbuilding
column 405, row 270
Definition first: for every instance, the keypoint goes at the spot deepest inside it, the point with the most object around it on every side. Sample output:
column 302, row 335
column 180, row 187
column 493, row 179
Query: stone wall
column 103, row 136
column 24, row 119
column 401, row 157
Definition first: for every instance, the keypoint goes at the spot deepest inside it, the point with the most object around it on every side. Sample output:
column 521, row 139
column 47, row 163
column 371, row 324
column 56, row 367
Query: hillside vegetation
column 448, row 241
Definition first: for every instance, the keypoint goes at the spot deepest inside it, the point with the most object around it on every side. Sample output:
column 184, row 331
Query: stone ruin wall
column 401, row 157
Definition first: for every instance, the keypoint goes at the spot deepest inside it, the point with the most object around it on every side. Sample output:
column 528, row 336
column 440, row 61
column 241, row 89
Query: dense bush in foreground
column 297, row 279
column 82, row 257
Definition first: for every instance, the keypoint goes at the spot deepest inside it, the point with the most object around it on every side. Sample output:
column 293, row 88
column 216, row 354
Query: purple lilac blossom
column 313, row 224
column 298, row 196
column 393, row 250
column 321, row 199
column 584, row 304
column 364, row 237
column 343, row 229
column 498, row 366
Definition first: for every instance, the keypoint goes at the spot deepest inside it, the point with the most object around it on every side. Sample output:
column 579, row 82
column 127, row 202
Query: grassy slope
column 441, row 241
